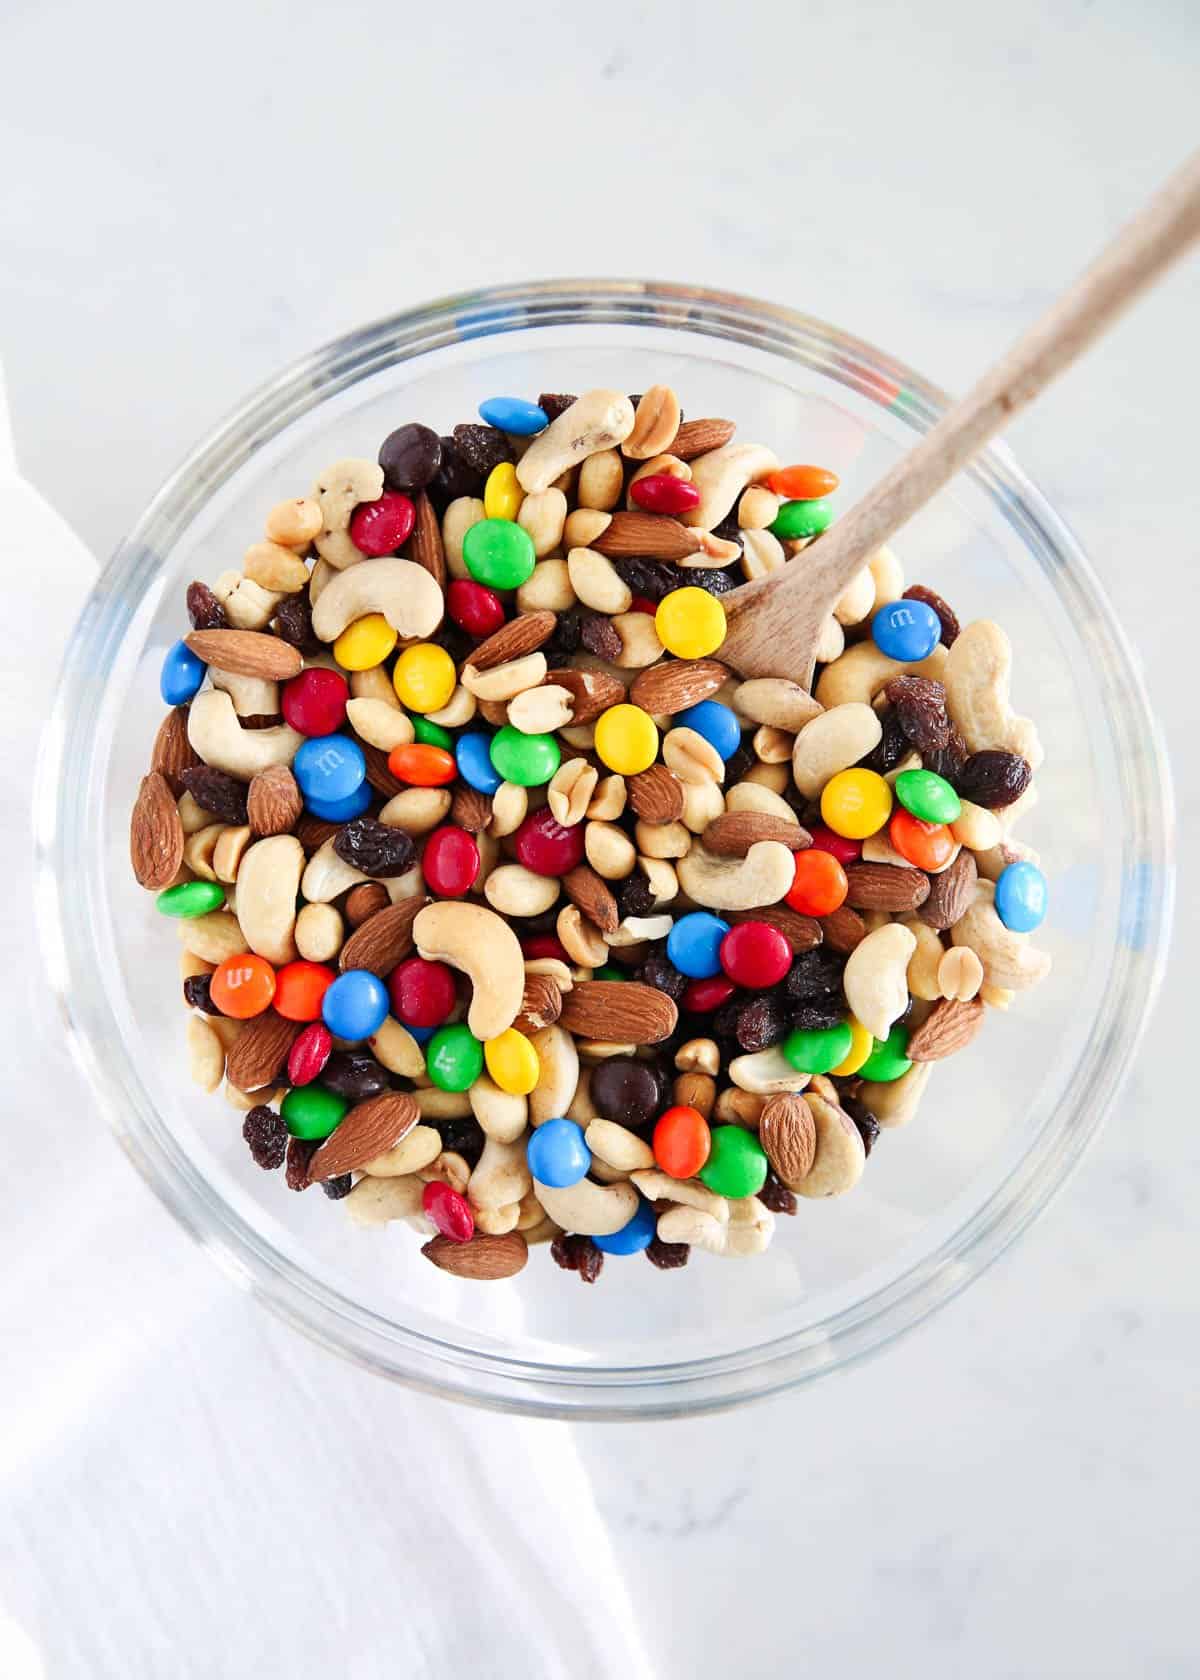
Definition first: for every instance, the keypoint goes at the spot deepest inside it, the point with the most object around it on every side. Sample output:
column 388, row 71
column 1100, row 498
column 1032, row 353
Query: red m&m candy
column 314, row 703
column 379, row 528
column 755, row 955
column 450, row 862
column 474, row 607
column 662, row 493
column 837, row 845
column 545, row 846
column 422, row 992
column 703, row 996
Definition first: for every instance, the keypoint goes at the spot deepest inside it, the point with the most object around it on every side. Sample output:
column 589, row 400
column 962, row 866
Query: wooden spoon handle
column 1138, row 255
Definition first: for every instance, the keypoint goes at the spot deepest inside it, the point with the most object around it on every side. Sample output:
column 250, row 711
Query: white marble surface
column 188, row 205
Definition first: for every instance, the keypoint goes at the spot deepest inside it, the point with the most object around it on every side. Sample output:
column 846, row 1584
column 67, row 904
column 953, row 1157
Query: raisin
column 776, row 1196
column 293, row 620
column 462, row 1135
column 762, row 1022
column 482, row 447
column 578, row 1254
column 658, row 970
column 815, row 974
column 203, row 608
column 300, row 1152
column 454, row 478
column 920, row 707
column 818, row 1016
column 667, row 1256
column 600, row 636
column 718, row 580
column 223, row 795
column 457, row 643
column 566, row 637
column 948, row 761
column 636, row 897
column 892, row 745
column 946, row 617
column 267, row 1135
column 374, row 848
column 355, row 1075
column 868, row 1126
column 197, row 993
column 992, row 779
column 336, row 1188
column 554, row 403
column 738, row 763
column 646, row 577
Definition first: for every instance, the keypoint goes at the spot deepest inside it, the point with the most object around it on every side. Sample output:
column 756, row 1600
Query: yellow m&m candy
column 856, row 803
column 424, row 677
column 861, row 1045
column 365, row 643
column 690, row 622
column 512, row 1062
column 502, row 494
column 626, row 739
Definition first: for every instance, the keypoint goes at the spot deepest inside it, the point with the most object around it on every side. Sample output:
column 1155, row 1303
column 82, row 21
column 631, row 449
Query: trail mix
column 507, row 910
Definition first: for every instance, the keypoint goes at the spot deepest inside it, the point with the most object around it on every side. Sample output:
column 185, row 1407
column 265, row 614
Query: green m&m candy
column 454, row 1058
column 432, row 734
column 887, row 1060
column 928, row 796
column 498, row 553
column 527, row 760
column 817, row 1049
column 191, row 898
column 736, row 1165
column 312, row 1112
column 801, row 519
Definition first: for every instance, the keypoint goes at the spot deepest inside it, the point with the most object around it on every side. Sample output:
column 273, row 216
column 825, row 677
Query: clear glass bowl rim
column 68, row 848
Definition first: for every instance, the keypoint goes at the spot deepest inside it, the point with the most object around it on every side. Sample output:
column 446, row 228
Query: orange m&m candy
column 926, row 845
column 243, row 986
column 422, row 764
column 681, row 1141
column 819, row 885
column 299, row 989
column 803, row 484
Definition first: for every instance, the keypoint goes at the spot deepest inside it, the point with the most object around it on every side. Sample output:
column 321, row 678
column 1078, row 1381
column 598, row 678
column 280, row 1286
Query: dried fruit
column 217, row 792
column 203, row 608
column 300, row 1152
column 667, row 1256
column 993, row 779
column 891, row 747
column 947, row 761
column 578, row 1254
column 156, row 836
column 920, row 709
column 375, row 848
column 554, row 403
column 761, row 1022
column 949, row 623
column 355, row 1075
column 293, row 620
column 482, row 447
column 816, row 974
column 197, row 993
column 646, row 577
column 336, row 1188
column 636, row 897
column 818, row 1016
column 267, row 1135
column 659, row 972
column 600, row 636
column 868, row 1127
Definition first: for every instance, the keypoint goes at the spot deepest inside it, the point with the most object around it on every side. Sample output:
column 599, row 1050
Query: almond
column 648, row 536
column 885, row 886
column 514, row 640
column 592, row 894
column 655, row 794
column 541, row 1004
column 368, row 1130
column 172, row 751
column 260, row 1051
column 312, row 832
column 365, row 900
column 274, row 804
column 788, row 1134
column 697, row 437
column 733, row 833
column 592, row 692
column 619, row 1012
column 951, row 1026
column 426, row 545
column 951, row 893
column 384, row 940
column 378, row 774
column 843, row 929
column 471, row 809
column 248, row 653
column 801, row 932
column 484, row 1259
column 155, row 834
column 677, row 684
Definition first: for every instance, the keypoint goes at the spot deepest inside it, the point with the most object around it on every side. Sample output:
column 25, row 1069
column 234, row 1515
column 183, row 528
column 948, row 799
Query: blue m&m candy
column 473, row 755
column 1021, row 897
column 514, row 414
column 557, row 1154
column 717, row 723
column 694, row 944
column 182, row 673
column 329, row 768
column 341, row 810
column 634, row 1237
column 356, row 1005
column 906, row 630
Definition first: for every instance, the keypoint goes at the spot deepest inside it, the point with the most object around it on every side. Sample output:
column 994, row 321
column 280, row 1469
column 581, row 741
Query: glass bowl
column 1001, row 1126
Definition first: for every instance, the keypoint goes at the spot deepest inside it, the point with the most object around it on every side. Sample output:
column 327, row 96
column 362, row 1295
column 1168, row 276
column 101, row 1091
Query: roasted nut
column 597, row 420
column 959, row 974
column 457, row 520
column 570, row 791
column 514, row 890
column 875, row 977
column 601, row 478
column 548, row 588
column 609, row 850
column 476, row 940
column 596, row 582
column 833, row 742
column 762, row 877
column 543, row 515
column 655, row 423
column 319, row 932
column 338, row 491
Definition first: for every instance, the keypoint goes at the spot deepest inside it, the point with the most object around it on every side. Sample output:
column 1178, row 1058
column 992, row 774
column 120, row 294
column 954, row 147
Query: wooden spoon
column 774, row 622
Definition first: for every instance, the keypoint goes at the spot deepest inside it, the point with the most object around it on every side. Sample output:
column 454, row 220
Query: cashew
column 514, row 890
column 570, row 791
column 856, row 600
column 228, row 852
column 600, row 480
column 996, row 997
column 685, row 1192
column 595, row 581
column 268, row 881
column 640, row 645
column 862, row 671
column 691, row 757
column 840, row 1157
column 771, row 745
column 374, row 684
column 763, row 876
column 376, row 1201
column 594, row 1210
column 215, row 733
column 501, row 1114
column 608, row 801
column 750, row 1229
column 326, row 877
column 543, row 516
column 558, row 1076
column 766, row 1072
column 247, row 605
column 415, row 1150
column 688, row 1225
column 501, row 1175
column 888, row 576
column 338, row 491
column 402, row 591
column 976, row 828
column 895, row 1102
column 923, row 966
column 977, row 677
column 251, row 696
column 959, row 974
column 495, row 1221
column 722, row 475
column 206, row 1054
column 321, row 575
column 417, row 810
column 777, row 701
column 213, row 937
column 875, row 977
column 506, row 681
column 397, row 1049
column 451, row 1168
column 754, row 796
column 379, row 724
column 703, row 803
column 1008, row 959
column 542, row 710
column 548, row 587
column 617, row 1146
column 476, row 941
column 609, row 850
column 596, row 420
